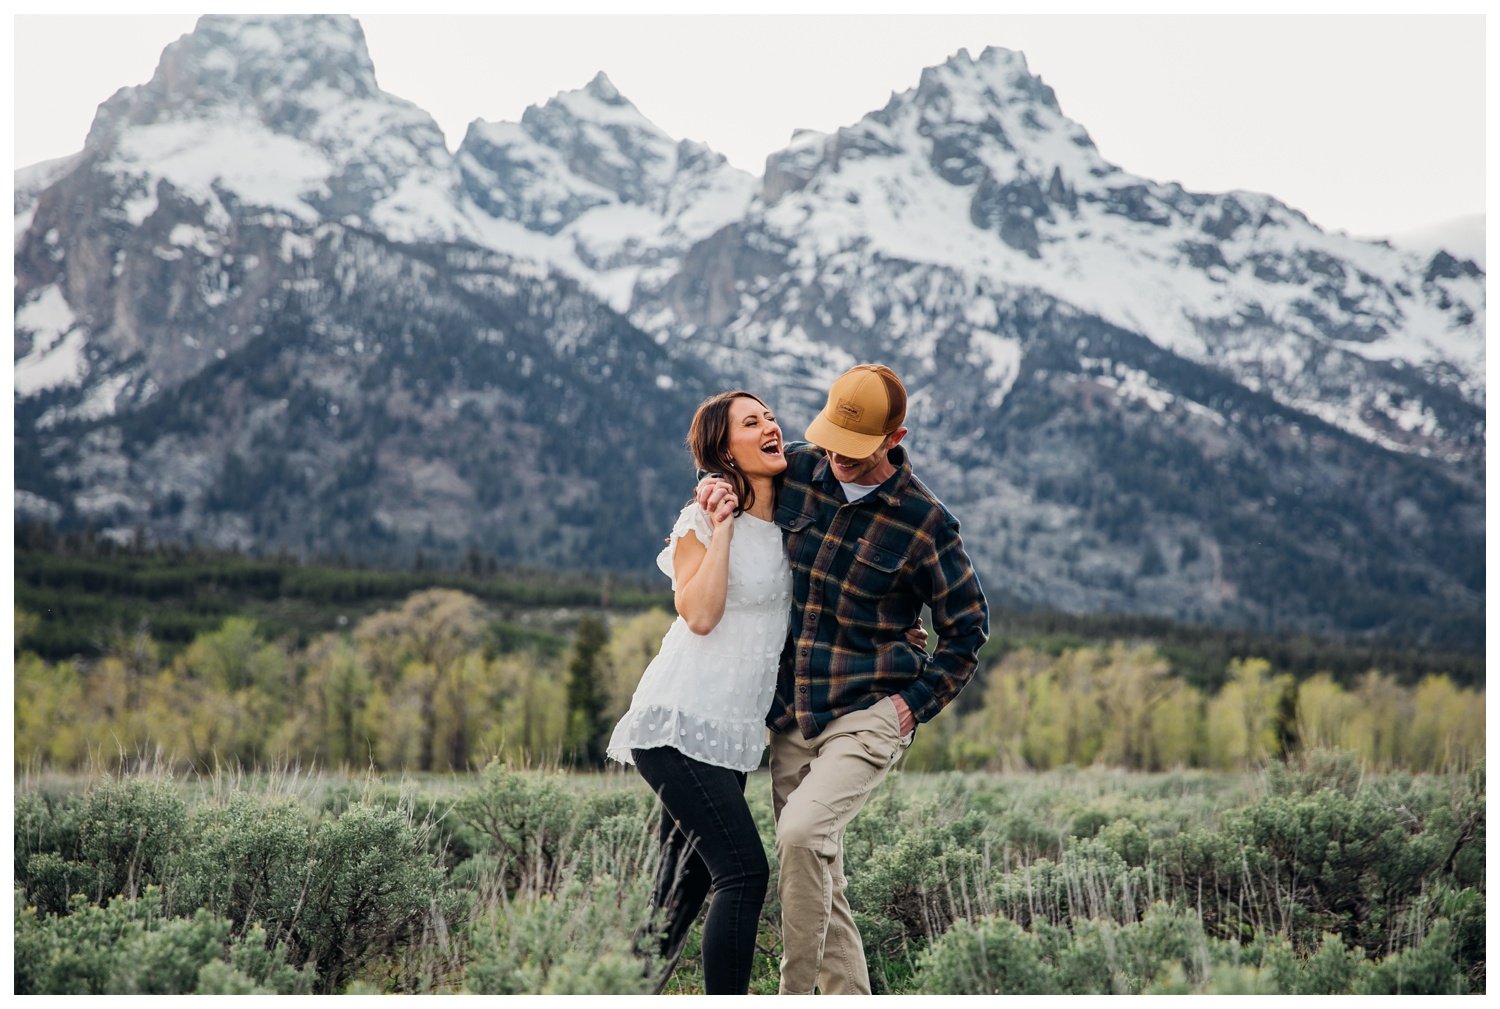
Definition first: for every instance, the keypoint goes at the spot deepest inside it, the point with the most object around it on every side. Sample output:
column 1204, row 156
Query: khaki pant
column 817, row 785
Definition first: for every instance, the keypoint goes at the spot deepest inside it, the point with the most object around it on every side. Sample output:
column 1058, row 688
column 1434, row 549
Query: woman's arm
column 702, row 571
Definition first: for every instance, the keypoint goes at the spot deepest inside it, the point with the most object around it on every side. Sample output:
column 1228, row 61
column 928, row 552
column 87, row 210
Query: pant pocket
column 894, row 715
column 882, row 741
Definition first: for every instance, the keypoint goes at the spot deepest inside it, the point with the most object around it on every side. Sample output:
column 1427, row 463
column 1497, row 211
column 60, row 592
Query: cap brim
column 823, row 433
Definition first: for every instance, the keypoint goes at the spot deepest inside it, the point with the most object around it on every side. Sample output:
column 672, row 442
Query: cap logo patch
column 851, row 410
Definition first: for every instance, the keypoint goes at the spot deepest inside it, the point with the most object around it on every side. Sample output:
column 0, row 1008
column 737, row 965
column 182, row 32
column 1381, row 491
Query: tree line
column 1123, row 705
column 83, row 587
column 436, row 684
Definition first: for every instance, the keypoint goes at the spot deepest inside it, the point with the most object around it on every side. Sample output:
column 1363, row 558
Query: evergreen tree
column 587, row 694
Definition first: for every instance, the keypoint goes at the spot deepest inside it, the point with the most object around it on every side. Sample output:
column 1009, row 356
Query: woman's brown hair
column 708, row 440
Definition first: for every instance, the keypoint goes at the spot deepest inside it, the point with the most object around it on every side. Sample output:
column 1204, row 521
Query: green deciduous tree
column 235, row 687
column 1130, row 686
column 422, row 646
column 1447, row 727
column 1242, row 718
column 528, row 711
column 52, row 727
column 633, row 643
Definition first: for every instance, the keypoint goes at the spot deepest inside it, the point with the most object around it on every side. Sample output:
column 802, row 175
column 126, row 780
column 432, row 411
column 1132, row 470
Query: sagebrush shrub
column 1103, row 957
column 128, row 830
column 131, row 947
column 1309, row 879
column 922, row 881
column 1128, row 840
column 254, row 957
column 371, row 884
column 1164, row 938
column 1225, row 980
column 1091, row 880
column 45, row 823
column 1088, row 822
column 1428, row 968
column 621, row 839
column 526, row 818
column 986, row 956
column 1334, row 862
column 890, row 951
column 249, row 861
column 1314, row 771
column 578, row 940
column 877, row 826
column 1329, row 970
column 50, row 881
column 1030, row 835
column 1464, row 910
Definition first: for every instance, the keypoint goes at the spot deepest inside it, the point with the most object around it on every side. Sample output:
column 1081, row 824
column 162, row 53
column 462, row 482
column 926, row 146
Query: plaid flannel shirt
column 860, row 575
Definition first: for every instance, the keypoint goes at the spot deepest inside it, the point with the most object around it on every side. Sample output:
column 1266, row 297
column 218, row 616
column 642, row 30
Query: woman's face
column 754, row 438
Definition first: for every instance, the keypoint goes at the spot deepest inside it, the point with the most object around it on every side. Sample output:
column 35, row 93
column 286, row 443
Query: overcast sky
column 1369, row 123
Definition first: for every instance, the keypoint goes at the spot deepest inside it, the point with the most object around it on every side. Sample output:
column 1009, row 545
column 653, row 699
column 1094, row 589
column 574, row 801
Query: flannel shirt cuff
column 918, row 697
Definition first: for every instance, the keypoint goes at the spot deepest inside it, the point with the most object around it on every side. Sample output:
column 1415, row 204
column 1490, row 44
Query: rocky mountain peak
column 970, row 89
column 246, row 114
column 694, row 156
column 604, row 140
column 602, row 88
column 283, row 70
column 985, row 120
column 598, row 101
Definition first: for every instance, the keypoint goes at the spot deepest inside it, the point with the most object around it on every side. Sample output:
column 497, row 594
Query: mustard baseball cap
column 865, row 404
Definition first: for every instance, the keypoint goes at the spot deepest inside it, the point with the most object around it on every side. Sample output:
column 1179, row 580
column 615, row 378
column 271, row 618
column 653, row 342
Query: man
column 868, row 546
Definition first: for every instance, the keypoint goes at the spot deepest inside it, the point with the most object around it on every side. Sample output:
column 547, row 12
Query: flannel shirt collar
column 890, row 491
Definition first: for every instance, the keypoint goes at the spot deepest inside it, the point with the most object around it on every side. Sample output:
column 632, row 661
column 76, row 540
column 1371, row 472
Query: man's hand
column 916, row 635
column 908, row 720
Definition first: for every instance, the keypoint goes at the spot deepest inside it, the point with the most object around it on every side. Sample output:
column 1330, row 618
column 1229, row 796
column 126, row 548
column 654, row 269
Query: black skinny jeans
column 708, row 839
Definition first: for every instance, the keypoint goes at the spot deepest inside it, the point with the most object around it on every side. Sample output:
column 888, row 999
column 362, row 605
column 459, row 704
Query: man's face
column 849, row 470
column 872, row 469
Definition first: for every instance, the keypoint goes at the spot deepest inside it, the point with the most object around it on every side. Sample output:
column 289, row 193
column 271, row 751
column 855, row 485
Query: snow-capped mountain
column 279, row 122
column 978, row 174
column 133, row 272
column 1094, row 356
column 279, row 115
column 266, row 306
column 587, row 184
column 254, row 310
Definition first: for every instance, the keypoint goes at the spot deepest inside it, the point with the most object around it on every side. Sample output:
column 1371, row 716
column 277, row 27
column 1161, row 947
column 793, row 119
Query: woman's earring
column 732, row 465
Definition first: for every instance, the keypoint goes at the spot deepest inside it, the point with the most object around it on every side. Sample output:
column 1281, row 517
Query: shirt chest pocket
column 876, row 570
column 800, row 538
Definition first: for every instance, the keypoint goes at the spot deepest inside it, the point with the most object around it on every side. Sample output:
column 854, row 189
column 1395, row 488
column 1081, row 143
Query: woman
column 696, row 724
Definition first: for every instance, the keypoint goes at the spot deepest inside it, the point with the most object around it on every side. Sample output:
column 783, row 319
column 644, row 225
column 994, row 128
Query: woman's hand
column 712, row 490
column 916, row 634
column 723, row 513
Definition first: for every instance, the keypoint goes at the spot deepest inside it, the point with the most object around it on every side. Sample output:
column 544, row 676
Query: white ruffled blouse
column 707, row 694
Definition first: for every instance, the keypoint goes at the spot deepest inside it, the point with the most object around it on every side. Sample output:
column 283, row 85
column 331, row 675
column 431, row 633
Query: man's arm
column 961, row 619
